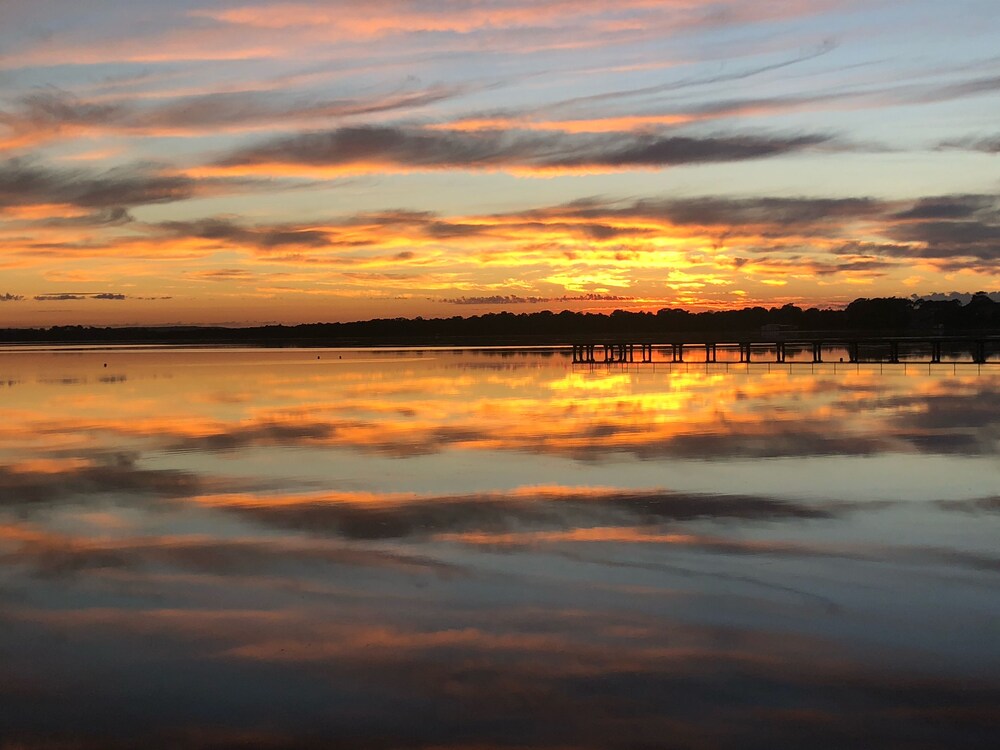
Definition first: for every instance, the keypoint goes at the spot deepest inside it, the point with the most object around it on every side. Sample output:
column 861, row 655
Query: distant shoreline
column 890, row 316
column 87, row 341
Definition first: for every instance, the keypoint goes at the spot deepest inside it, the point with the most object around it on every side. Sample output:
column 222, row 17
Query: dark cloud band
column 67, row 296
column 417, row 148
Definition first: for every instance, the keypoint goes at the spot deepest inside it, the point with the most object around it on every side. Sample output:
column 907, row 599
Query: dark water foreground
column 494, row 549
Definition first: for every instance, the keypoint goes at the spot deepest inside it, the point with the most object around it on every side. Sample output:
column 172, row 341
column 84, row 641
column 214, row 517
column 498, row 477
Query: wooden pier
column 978, row 350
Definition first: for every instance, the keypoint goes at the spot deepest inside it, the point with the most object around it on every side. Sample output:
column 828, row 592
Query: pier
column 978, row 350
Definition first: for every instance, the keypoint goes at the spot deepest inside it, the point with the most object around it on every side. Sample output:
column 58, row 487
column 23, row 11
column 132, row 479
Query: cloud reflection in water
column 259, row 549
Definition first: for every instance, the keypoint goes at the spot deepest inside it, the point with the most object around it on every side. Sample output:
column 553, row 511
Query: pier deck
column 885, row 349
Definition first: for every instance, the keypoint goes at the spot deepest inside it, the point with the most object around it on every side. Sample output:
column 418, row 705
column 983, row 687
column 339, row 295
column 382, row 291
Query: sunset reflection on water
column 288, row 548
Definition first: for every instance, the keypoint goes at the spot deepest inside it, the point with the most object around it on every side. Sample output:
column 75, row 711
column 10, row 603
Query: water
column 294, row 548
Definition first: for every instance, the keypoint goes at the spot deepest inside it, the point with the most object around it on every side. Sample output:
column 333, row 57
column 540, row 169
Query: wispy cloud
column 24, row 182
column 514, row 299
column 544, row 23
column 985, row 144
column 380, row 149
column 966, row 226
column 50, row 115
column 940, row 226
column 66, row 296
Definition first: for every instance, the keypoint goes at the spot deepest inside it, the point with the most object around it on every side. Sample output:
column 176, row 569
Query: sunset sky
column 248, row 162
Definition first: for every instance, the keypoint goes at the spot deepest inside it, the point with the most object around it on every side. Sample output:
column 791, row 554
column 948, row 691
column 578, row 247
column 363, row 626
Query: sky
column 245, row 162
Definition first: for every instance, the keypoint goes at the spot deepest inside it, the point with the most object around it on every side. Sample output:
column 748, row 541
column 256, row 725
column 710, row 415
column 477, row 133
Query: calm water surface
column 486, row 549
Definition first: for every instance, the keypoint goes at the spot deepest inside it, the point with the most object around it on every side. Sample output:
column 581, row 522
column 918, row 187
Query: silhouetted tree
column 879, row 315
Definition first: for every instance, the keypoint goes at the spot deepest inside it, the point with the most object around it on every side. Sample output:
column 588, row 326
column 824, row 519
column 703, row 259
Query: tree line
column 878, row 316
